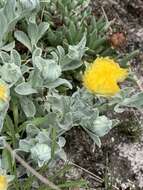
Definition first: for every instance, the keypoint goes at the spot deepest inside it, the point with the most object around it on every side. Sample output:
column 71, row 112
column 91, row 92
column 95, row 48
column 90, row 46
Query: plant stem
column 15, row 113
column 53, row 137
column 10, row 126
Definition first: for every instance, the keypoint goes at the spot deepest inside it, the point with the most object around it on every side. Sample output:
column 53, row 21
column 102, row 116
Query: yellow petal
column 3, row 92
column 3, row 183
column 121, row 74
column 108, row 88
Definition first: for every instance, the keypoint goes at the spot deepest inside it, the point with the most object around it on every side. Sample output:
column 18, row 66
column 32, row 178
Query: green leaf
column 9, row 10
column 72, row 60
column 57, row 83
column 61, row 51
column 7, row 160
column 77, row 51
column 49, row 69
column 3, row 26
column 10, row 73
column 52, row 37
column 25, row 89
column 135, row 101
column 67, row 121
column 36, row 53
column 71, row 64
column 35, row 79
column 26, row 145
column 33, row 33
column 101, row 126
column 42, row 28
column 28, row 4
column 31, row 129
column 15, row 57
column 28, row 106
column 23, row 38
column 96, row 44
column 8, row 47
column 124, row 61
column 41, row 153
column 5, row 57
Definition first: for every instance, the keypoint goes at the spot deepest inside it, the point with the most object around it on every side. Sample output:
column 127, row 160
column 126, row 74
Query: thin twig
column 97, row 178
column 42, row 14
column 29, row 168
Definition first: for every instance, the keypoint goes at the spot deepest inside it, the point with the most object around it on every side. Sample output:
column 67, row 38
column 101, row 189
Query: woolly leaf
column 28, row 106
column 58, row 82
column 23, row 38
column 41, row 153
column 25, row 89
column 15, row 57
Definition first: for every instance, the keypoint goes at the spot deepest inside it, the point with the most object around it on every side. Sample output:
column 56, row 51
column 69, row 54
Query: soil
column 119, row 161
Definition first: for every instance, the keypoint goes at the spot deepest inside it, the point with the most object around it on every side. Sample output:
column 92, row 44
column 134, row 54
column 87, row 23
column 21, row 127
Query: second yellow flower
column 102, row 76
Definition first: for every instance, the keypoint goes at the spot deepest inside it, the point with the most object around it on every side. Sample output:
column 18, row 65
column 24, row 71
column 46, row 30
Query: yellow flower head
column 102, row 76
column 3, row 92
column 3, row 182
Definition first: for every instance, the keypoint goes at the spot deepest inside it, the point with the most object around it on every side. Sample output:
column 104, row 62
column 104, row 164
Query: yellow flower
column 102, row 76
column 3, row 92
column 3, row 182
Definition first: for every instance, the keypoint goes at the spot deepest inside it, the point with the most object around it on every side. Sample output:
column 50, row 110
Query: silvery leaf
column 67, row 122
column 15, row 57
column 8, row 47
column 28, row 106
column 76, row 52
column 9, row 10
column 5, row 57
column 36, row 53
column 32, row 130
column 25, row 89
column 33, row 33
column 10, row 73
column 35, row 79
column 135, row 101
column 30, row 4
column 41, row 153
column 24, row 39
column 26, row 144
column 51, row 71
column 43, row 137
column 72, row 60
column 42, row 28
column 3, row 26
column 57, row 83
column 101, row 126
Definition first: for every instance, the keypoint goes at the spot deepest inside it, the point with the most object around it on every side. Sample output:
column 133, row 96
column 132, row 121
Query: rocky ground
column 119, row 163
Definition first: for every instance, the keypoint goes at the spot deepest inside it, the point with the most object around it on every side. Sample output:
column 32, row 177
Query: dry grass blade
column 97, row 178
